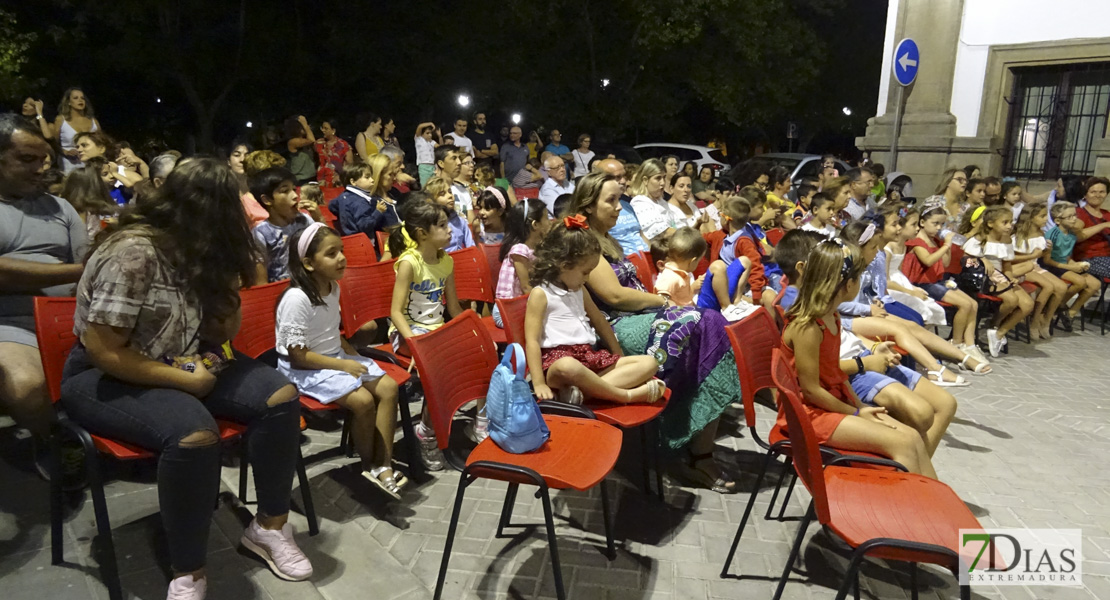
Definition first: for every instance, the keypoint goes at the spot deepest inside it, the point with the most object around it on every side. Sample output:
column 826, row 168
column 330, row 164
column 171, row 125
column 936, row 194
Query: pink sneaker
column 279, row 550
column 187, row 588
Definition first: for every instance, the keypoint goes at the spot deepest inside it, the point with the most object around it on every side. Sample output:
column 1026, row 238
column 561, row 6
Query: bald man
column 557, row 183
column 627, row 230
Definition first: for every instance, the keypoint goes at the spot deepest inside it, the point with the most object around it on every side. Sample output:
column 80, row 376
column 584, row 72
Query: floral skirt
column 594, row 359
column 695, row 360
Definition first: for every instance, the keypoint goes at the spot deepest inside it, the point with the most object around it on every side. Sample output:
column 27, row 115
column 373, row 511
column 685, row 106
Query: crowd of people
column 155, row 252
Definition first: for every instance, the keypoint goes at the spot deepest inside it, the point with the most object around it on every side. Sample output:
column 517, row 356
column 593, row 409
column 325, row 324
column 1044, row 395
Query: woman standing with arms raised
column 156, row 293
column 75, row 115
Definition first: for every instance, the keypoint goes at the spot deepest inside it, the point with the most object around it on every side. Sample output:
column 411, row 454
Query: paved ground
column 1027, row 450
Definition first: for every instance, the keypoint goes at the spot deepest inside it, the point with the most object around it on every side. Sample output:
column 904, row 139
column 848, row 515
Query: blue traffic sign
column 906, row 58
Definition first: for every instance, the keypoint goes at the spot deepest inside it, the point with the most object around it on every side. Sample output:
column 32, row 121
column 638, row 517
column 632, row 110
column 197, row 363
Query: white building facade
column 1019, row 88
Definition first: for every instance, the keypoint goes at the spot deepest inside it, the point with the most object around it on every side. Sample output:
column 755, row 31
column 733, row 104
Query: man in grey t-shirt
column 42, row 244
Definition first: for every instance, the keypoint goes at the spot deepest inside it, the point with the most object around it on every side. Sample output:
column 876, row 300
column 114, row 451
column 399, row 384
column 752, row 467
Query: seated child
column 1061, row 241
column 439, row 192
column 1029, row 246
column 275, row 189
column 991, row 239
column 677, row 256
column 758, row 246
column 729, row 275
column 357, row 210
column 525, row 225
column 490, row 225
column 822, row 216
column 562, row 326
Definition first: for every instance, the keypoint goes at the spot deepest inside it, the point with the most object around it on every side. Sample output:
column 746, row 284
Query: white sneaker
column 478, row 430
column 187, row 588
column 993, row 343
column 279, row 550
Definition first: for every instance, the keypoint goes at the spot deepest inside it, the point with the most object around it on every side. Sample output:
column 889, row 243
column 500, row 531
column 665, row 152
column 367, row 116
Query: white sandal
column 939, row 381
column 387, row 485
column 983, row 368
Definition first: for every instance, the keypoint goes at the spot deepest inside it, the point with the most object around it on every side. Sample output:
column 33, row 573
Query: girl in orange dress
column 811, row 343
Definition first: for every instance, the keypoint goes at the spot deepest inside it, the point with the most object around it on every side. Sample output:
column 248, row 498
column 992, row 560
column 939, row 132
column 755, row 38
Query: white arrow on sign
column 906, row 62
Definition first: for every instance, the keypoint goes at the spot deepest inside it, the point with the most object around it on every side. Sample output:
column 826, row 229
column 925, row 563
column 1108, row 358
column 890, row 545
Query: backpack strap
column 517, row 351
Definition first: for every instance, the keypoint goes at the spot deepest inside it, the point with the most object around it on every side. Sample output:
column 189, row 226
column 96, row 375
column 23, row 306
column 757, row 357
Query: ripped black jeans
column 189, row 477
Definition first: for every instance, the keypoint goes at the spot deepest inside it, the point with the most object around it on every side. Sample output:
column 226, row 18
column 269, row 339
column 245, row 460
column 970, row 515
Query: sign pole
column 898, row 102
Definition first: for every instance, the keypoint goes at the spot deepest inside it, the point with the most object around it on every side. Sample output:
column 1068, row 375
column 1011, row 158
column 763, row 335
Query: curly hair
column 197, row 223
column 560, row 249
column 260, row 160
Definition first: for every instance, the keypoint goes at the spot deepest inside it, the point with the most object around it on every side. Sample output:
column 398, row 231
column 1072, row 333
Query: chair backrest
column 472, row 281
column 803, row 439
column 324, row 211
column 366, row 294
column 257, row 333
column 774, row 235
column 780, row 312
column 644, row 269
column 754, row 339
column 455, row 363
column 493, row 260
column 358, row 250
column 512, row 316
column 955, row 261
column 330, row 193
column 54, row 331
column 382, row 237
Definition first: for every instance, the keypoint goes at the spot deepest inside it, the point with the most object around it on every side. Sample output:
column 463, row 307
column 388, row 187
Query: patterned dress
column 694, row 356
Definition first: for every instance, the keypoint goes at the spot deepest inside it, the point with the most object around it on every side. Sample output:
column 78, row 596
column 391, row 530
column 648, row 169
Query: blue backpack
column 515, row 421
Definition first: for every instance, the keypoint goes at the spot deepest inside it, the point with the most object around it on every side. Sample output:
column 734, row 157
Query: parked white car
column 701, row 155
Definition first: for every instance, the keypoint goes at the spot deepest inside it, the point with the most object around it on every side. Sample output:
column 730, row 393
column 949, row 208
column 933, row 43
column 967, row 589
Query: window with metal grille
column 1057, row 113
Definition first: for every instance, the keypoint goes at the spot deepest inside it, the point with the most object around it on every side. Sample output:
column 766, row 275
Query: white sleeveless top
column 896, row 262
column 66, row 133
column 565, row 322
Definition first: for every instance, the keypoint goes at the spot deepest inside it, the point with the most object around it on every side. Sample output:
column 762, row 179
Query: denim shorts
column 936, row 290
column 868, row 384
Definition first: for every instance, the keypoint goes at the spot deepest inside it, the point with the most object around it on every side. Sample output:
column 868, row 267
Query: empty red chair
column 456, row 362
column 331, row 193
column 645, row 270
column 891, row 515
column 473, row 282
column 531, row 193
column 358, row 250
column 625, row 416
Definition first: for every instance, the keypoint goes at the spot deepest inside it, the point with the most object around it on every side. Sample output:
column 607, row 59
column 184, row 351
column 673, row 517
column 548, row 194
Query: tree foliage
column 14, row 47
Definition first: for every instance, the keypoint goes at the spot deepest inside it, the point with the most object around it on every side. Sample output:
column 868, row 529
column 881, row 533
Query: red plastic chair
column 358, row 250
column 645, row 270
column 891, row 515
column 530, row 193
column 382, row 239
column 774, row 235
column 456, row 362
column 625, row 416
column 472, row 282
column 493, row 259
column 715, row 239
column 331, row 193
column 325, row 212
column 54, row 332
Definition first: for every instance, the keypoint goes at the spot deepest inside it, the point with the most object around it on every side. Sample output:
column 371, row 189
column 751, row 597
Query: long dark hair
column 298, row 275
column 520, row 220
column 197, row 223
column 417, row 215
column 87, row 192
column 560, row 249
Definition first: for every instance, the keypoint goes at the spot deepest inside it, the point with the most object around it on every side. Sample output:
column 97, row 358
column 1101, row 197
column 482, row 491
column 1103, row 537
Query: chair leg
column 794, row 551
column 747, row 513
column 644, row 460
column 855, row 588
column 786, row 466
column 852, row 574
column 786, row 498
column 409, row 433
column 103, row 525
column 606, row 511
column 913, row 581
column 464, row 481
column 244, row 468
column 56, row 516
column 507, row 508
column 346, row 444
column 556, row 569
column 306, row 495
column 655, row 443
column 965, row 592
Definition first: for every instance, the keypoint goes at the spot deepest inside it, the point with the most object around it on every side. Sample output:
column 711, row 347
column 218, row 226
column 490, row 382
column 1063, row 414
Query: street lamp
column 604, row 83
column 464, row 100
column 517, row 118
column 847, row 111
column 249, row 124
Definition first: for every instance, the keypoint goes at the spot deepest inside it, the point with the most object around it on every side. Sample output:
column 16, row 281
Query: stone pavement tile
column 30, row 576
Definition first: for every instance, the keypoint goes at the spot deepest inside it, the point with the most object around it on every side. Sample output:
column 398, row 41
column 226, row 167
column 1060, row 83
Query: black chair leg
column 655, row 443
column 306, row 495
column 965, row 592
column 913, row 581
column 56, row 516
column 852, row 574
column 605, row 512
column 786, row 466
column 786, row 498
column 244, row 468
column 556, row 569
column 747, row 513
column 644, row 460
column 459, row 493
column 409, row 430
column 855, row 588
column 507, row 508
column 103, row 525
column 346, row 444
column 794, row 552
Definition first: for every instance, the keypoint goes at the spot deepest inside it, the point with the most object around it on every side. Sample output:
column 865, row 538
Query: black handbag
column 972, row 279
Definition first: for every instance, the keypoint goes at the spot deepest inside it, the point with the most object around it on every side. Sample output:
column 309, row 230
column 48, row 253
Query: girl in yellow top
column 425, row 283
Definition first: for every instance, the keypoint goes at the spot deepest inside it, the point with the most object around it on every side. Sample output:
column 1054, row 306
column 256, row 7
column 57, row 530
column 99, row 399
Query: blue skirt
column 328, row 385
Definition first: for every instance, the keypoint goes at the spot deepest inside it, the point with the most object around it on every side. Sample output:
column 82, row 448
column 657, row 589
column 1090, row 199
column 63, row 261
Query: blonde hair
column 650, row 168
column 829, row 268
column 1025, row 230
column 834, row 185
column 979, row 229
column 436, row 186
column 260, row 160
column 484, row 176
column 378, row 164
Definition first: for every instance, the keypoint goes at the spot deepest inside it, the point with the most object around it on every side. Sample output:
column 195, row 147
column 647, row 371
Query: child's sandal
column 982, row 368
column 387, row 485
column 939, row 381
